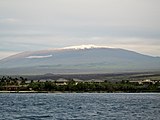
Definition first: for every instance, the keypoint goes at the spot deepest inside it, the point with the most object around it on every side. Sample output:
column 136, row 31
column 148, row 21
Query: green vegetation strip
column 9, row 84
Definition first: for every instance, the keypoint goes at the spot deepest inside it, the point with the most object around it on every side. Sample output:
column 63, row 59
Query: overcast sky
column 27, row 25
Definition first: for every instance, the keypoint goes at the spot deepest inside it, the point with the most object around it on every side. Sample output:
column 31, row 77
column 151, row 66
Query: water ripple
column 77, row 106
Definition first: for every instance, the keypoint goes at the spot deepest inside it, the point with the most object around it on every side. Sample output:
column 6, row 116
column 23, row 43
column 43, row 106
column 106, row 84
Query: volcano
column 78, row 59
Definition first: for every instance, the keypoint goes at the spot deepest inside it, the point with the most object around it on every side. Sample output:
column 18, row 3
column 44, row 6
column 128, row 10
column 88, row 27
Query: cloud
column 38, row 57
column 148, row 46
column 35, row 25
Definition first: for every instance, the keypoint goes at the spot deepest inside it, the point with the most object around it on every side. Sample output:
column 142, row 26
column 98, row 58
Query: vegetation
column 112, row 77
column 19, row 83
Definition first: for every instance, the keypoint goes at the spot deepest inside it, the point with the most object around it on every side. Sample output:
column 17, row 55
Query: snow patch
column 37, row 56
column 85, row 47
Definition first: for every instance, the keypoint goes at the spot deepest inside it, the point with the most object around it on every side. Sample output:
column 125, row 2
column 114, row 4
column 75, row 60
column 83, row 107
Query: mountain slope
column 78, row 59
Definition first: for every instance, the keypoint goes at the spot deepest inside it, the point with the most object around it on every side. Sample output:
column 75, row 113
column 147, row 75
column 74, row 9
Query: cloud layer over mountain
column 78, row 59
column 41, row 24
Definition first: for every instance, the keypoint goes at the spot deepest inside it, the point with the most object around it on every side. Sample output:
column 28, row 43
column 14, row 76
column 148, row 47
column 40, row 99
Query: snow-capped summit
column 90, row 46
column 78, row 59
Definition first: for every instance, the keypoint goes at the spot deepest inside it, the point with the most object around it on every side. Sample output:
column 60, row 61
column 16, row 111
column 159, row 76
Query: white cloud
column 42, row 24
column 38, row 57
column 27, row 43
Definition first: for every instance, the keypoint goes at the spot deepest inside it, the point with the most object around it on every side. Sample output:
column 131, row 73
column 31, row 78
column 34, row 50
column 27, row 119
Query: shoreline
column 73, row 92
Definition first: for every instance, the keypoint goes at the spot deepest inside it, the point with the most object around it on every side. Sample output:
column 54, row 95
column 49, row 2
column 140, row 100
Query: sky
column 28, row 25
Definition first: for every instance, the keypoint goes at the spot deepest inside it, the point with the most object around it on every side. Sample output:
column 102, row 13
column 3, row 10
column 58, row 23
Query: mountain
column 78, row 59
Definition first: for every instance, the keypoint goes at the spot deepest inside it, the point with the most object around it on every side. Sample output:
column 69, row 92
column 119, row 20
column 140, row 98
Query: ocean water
column 79, row 106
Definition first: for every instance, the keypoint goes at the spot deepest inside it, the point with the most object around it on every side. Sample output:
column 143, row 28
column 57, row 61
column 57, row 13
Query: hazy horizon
column 79, row 47
column 44, row 24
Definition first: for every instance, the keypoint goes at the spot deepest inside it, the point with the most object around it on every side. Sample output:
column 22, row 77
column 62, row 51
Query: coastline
column 76, row 92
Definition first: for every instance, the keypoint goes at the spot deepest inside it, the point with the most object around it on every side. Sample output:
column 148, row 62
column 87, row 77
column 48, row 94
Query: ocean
column 80, row 106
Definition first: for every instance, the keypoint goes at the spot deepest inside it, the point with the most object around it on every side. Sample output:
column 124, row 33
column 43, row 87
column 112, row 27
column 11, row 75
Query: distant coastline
column 56, row 92
column 114, row 83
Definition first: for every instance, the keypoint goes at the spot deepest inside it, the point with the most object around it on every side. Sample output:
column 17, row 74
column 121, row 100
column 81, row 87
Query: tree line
column 72, row 86
column 94, row 87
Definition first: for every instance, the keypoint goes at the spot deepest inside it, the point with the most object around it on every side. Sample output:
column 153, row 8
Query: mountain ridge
column 80, row 47
column 89, row 58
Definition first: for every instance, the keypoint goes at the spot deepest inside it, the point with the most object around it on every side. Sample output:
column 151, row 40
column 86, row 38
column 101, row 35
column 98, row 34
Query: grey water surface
column 79, row 106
